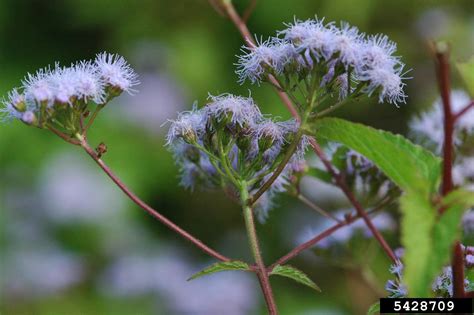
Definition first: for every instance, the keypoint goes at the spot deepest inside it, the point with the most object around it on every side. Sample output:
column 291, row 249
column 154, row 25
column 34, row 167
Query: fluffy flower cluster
column 396, row 288
column 442, row 286
column 337, row 56
column 229, row 137
column 428, row 126
column 46, row 95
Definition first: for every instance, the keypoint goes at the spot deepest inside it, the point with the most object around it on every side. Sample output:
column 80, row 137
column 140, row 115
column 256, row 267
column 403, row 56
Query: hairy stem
column 255, row 248
column 146, row 207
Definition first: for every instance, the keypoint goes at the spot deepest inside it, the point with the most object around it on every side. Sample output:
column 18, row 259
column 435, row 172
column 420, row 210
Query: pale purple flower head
column 396, row 289
column 28, row 117
column 311, row 36
column 388, row 82
column 13, row 106
column 377, row 52
column 38, row 88
column 116, row 72
column 64, row 84
column 237, row 109
column 341, row 50
column 348, row 42
column 429, row 124
column 87, row 84
column 397, row 269
column 189, row 126
column 444, row 283
column 270, row 130
column 470, row 260
column 272, row 54
column 299, row 30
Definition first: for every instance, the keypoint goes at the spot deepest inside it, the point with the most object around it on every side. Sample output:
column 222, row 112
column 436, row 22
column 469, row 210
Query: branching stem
column 316, row 208
column 84, row 144
column 255, row 248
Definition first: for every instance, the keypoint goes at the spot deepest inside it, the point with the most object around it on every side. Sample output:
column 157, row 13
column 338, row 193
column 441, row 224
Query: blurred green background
column 71, row 243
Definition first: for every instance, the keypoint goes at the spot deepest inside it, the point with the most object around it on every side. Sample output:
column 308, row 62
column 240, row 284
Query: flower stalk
column 255, row 248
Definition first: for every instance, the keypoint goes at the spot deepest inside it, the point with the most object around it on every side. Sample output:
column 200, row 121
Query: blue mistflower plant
column 230, row 145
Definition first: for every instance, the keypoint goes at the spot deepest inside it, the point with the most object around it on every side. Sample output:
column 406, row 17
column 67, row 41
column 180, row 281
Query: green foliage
column 408, row 165
column 221, row 266
column 445, row 232
column 374, row 309
column 418, row 219
column 427, row 239
column 459, row 197
column 466, row 70
column 295, row 274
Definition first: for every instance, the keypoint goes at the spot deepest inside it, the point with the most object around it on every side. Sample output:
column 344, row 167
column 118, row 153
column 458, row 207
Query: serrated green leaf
column 418, row 218
column 466, row 70
column 408, row 165
column 221, row 266
column 295, row 274
column 374, row 309
column 446, row 231
column 428, row 241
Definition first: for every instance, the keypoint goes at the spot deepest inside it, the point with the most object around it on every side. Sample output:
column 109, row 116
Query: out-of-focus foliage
column 466, row 70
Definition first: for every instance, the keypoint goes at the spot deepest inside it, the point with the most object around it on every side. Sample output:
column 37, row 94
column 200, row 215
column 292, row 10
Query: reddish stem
column 360, row 210
column 302, row 247
column 458, row 271
column 445, row 90
column 464, row 110
column 443, row 75
column 149, row 209
column 248, row 12
column 63, row 136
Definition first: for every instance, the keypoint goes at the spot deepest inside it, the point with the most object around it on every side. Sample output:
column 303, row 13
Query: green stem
column 332, row 108
column 91, row 120
column 255, row 248
column 280, row 168
column 231, row 173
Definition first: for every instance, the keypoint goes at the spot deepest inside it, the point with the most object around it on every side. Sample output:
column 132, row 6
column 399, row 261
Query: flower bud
column 28, row 118
column 189, row 136
column 20, row 104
